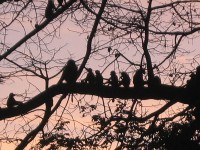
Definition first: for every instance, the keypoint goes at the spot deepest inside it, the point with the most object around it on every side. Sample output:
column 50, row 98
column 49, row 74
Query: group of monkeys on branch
column 70, row 74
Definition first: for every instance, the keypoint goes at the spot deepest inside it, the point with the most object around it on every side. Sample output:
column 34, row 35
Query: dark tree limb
column 164, row 92
column 146, row 41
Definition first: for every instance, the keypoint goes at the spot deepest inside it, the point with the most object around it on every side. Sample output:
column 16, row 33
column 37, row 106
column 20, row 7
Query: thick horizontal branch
column 163, row 92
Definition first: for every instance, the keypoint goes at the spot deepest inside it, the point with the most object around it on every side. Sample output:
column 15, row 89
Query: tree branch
column 146, row 41
column 36, row 30
column 92, row 34
column 164, row 92
column 30, row 136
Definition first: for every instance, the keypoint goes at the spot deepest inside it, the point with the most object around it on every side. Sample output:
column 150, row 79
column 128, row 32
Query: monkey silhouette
column 98, row 78
column 193, row 84
column 113, row 80
column 198, row 77
column 194, row 81
column 11, row 102
column 156, row 82
column 90, row 78
column 49, row 11
column 138, row 80
column 70, row 72
column 124, row 79
column 198, row 70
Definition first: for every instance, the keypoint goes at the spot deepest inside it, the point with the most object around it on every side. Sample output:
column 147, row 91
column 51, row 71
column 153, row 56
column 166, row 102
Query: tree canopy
column 145, row 94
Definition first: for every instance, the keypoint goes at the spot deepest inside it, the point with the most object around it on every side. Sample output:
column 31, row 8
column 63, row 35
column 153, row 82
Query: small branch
column 30, row 136
column 159, row 111
column 34, row 132
column 36, row 30
column 172, row 52
column 146, row 41
column 92, row 34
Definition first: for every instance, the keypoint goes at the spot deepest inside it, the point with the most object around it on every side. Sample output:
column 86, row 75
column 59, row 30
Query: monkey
column 11, row 102
column 193, row 84
column 156, row 82
column 113, row 80
column 194, row 81
column 50, row 9
column 124, row 80
column 138, row 80
column 198, row 76
column 90, row 78
column 198, row 70
column 98, row 78
column 70, row 72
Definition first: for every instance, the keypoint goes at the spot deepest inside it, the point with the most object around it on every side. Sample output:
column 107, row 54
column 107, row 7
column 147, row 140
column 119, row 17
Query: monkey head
column 71, row 62
column 198, row 70
column 97, row 72
column 89, row 70
column 11, row 95
column 112, row 73
column 123, row 73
